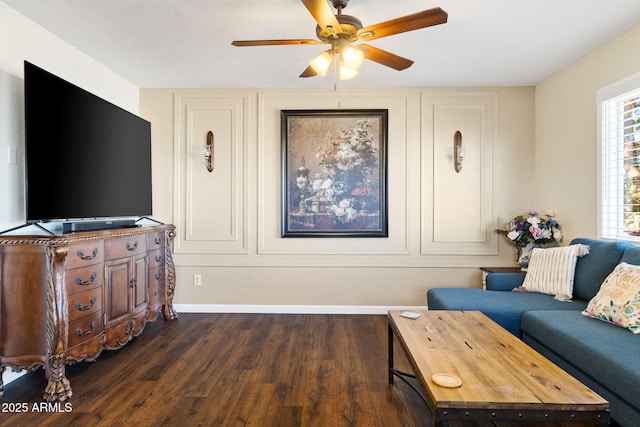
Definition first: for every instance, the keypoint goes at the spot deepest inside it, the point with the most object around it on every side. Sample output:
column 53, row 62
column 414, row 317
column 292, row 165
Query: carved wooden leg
column 167, row 307
column 58, row 387
column 168, row 311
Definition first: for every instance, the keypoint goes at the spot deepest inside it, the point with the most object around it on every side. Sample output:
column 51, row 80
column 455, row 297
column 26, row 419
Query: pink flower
column 535, row 232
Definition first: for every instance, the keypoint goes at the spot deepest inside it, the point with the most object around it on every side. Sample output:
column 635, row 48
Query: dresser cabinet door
column 126, row 288
column 139, row 283
column 118, row 290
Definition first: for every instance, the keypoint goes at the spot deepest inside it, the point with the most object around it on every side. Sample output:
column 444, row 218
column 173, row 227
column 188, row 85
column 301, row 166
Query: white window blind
column 619, row 204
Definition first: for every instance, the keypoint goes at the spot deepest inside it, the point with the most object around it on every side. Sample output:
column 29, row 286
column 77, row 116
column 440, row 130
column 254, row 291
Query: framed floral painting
column 334, row 173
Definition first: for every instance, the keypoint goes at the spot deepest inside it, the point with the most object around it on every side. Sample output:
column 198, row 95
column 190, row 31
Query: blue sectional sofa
column 603, row 356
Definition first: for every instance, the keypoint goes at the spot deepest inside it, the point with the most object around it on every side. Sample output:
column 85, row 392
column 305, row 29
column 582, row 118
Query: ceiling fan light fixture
column 347, row 73
column 321, row 63
column 339, row 31
column 352, row 57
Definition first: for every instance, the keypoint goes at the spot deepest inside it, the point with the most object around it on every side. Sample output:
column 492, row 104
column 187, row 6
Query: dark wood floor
column 235, row 370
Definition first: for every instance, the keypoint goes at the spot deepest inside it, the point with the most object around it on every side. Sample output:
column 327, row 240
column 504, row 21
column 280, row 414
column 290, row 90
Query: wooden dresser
column 64, row 299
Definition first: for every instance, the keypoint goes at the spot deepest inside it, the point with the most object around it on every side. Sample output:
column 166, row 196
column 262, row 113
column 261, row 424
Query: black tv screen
column 85, row 157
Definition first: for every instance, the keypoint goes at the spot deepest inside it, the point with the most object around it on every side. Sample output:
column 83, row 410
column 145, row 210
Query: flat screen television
column 88, row 161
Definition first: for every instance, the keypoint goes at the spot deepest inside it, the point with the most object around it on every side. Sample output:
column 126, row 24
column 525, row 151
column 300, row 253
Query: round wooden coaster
column 446, row 380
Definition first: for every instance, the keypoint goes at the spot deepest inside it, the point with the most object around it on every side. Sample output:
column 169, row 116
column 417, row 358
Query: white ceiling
column 187, row 43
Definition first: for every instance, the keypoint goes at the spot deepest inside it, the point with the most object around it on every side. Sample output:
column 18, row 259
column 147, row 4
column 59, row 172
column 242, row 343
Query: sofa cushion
column 603, row 356
column 592, row 269
column 631, row 255
column 551, row 270
column 618, row 300
column 504, row 308
column 505, row 281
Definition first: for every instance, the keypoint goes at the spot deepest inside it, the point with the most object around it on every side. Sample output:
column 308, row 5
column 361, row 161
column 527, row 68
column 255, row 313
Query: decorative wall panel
column 457, row 206
column 210, row 208
column 337, row 250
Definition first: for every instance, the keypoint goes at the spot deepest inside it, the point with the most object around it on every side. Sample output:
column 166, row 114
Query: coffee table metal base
column 400, row 374
column 529, row 415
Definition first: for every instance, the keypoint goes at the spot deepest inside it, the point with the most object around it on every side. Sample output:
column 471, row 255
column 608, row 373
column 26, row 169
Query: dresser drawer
column 156, row 258
column 84, row 278
column 86, row 253
column 155, row 240
column 123, row 247
column 85, row 328
column 154, row 294
column 156, row 285
column 85, row 303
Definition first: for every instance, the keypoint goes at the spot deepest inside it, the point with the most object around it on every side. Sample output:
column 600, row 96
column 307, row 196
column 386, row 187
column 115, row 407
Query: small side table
column 486, row 270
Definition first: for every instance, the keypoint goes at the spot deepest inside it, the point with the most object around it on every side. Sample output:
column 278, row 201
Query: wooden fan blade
column 322, row 13
column 309, row 72
column 385, row 58
column 426, row 18
column 243, row 43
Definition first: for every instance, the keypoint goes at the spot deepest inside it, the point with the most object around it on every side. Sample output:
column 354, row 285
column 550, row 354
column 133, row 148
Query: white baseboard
column 290, row 309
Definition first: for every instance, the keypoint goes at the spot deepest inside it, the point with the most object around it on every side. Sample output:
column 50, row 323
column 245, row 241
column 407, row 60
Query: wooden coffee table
column 503, row 379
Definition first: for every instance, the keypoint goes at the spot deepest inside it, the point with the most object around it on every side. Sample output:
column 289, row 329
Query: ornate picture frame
column 334, row 173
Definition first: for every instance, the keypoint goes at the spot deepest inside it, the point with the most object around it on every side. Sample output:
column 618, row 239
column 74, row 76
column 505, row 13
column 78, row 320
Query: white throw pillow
column 551, row 271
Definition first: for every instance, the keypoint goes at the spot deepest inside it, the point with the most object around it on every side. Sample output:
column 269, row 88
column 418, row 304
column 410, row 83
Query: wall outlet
column 197, row 280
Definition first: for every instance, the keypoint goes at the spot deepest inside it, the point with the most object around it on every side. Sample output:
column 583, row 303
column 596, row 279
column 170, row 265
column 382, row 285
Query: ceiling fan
column 339, row 31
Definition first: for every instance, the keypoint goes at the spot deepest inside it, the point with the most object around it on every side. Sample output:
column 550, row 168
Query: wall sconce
column 208, row 151
column 458, row 151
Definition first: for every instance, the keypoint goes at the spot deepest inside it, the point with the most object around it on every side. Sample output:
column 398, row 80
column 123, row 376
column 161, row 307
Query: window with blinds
column 619, row 129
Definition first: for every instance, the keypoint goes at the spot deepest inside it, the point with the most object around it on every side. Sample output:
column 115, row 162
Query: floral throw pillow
column 618, row 300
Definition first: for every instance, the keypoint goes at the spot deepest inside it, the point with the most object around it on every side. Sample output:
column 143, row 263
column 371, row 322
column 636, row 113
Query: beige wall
column 543, row 157
column 566, row 137
column 376, row 272
column 22, row 39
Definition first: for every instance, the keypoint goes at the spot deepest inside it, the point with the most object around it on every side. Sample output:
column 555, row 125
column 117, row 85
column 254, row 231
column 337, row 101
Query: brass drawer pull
column 133, row 282
column 87, row 332
column 81, row 254
column 158, row 275
column 157, row 240
column 86, row 307
column 158, row 258
column 86, row 282
column 132, row 248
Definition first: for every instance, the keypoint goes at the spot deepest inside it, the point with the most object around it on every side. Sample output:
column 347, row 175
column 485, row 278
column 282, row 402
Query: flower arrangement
column 351, row 150
column 532, row 228
column 343, row 211
column 349, row 165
